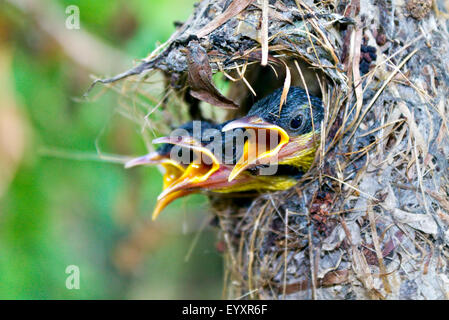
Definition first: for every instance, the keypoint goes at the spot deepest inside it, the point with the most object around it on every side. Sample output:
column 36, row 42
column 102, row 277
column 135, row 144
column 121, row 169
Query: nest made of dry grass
column 370, row 219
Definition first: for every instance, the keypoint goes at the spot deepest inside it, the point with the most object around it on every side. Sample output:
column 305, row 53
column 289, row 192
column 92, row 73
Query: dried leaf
column 297, row 286
column 234, row 9
column 330, row 279
column 422, row 222
column 200, row 78
column 335, row 277
column 419, row 221
column 334, row 239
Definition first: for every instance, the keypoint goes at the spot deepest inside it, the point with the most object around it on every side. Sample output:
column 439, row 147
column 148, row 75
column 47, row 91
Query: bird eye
column 296, row 122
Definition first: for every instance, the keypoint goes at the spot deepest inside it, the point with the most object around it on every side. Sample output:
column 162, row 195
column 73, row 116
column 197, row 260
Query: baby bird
column 293, row 130
column 268, row 150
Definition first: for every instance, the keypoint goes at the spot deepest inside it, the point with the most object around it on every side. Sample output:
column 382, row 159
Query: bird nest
column 370, row 218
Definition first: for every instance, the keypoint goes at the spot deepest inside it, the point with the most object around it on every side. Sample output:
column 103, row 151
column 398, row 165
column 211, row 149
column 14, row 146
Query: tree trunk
column 370, row 219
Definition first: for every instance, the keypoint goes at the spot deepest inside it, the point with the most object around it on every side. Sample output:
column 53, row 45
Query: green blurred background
column 60, row 203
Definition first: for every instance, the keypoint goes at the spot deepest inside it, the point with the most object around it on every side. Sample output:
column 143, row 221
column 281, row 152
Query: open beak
column 261, row 143
column 151, row 158
column 172, row 169
column 197, row 171
column 216, row 181
column 165, row 201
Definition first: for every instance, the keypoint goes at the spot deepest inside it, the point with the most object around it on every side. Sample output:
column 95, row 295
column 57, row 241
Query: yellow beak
column 259, row 143
column 162, row 203
column 172, row 169
column 199, row 170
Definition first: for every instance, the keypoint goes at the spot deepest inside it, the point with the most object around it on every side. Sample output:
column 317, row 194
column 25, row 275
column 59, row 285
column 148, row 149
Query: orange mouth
column 199, row 170
column 255, row 148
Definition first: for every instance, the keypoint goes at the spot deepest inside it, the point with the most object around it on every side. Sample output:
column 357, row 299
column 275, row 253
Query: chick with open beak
column 172, row 169
column 228, row 163
column 173, row 158
column 209, row 173
column 285, row 135
column 214, row 160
